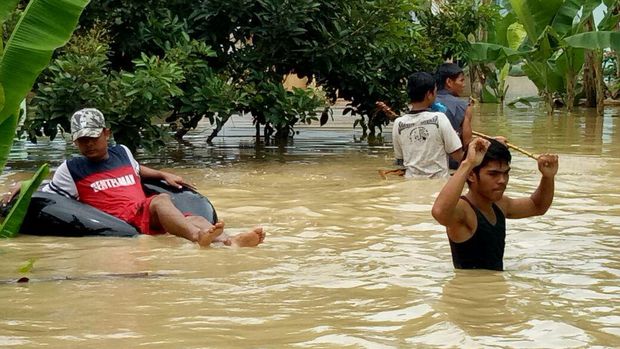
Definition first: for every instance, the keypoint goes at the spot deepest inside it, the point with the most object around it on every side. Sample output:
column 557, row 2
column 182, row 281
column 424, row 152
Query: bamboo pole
column 509, row 145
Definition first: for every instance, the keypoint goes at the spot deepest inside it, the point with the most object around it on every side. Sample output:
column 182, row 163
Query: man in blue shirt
column 450, row 85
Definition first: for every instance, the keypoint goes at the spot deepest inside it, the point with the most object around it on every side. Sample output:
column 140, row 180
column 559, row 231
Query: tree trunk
column 570, row 90
column 257, row 131
column 618, row 53
column 476, row 76
column 548, row 96
column 589, row 74
column 600, row 84
column 617, row 65
column 476, row 82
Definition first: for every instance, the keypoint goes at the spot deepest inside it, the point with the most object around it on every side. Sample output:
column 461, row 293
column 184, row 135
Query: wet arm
column 445, row 209
column 543, row 196
column 147, row 172
column 466, row 132
column 172, row 179
column 539, row 202
column 457, row 155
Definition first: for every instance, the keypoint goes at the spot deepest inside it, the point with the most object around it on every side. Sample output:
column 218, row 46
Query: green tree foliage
column 454, row 24
column 78, row 77
column 130, row 99
column 356, row 50
column 231, row 56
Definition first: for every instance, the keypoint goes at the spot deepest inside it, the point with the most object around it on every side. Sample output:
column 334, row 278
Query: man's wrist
column 466, row 164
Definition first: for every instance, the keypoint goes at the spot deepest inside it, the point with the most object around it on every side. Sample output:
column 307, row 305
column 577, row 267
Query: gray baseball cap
column 87, row 122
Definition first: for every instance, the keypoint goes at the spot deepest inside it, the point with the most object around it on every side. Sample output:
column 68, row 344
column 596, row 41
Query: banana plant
column 508, row 37
column 44, row 26
column 553, row 49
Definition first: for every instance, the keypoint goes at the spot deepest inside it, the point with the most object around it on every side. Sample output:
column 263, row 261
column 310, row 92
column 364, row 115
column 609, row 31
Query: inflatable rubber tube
column 55, row 215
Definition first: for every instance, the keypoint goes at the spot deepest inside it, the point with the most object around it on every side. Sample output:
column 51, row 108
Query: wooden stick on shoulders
column 509, row 145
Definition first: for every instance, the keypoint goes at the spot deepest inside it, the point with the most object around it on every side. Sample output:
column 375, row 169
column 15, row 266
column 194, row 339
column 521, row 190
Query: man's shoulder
column 432, row 115
column 404, row 118
column 74, row 160
column 446, row 96
column 119, row 147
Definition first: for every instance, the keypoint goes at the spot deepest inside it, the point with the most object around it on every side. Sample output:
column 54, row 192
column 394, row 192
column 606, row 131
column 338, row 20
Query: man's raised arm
column 539, row 202
column 445, row 209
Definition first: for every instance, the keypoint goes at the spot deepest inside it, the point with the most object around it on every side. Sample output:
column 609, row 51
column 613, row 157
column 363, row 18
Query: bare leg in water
column 165, row 214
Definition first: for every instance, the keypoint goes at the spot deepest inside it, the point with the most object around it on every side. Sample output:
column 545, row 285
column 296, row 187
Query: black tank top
column 485, row 249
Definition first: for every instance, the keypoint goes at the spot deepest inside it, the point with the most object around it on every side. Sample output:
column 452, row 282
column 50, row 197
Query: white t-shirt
column 422, row 140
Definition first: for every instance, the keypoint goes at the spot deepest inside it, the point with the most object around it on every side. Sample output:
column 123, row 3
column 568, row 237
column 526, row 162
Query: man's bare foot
column 219, row 226
column 385, row 173
column 205, row 237
column 249, row 239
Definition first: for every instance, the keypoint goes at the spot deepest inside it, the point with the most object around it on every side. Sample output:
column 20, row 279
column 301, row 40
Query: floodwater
column 350, row 260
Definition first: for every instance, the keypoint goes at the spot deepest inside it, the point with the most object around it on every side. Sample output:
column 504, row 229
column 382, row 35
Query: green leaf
column 44, row 26
column 563, row 21
column 27, row 267
column 515, row 35
column 500, row 33
column 485, row 52
column 1, row 97
column 488, row 96
column 570, row 61
column 609, row 22
column 595, row 40
column 7, row 133
column 525, row 100
column 535, row 15
column 13, row 221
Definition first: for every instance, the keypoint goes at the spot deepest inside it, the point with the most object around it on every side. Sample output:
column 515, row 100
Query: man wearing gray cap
column 108, row 178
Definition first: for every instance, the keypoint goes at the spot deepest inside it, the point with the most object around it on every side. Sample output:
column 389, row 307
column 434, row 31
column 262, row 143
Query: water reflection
column 477, row 302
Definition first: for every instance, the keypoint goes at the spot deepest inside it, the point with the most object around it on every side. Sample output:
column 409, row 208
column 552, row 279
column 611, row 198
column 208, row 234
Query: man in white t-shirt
column 422, row 138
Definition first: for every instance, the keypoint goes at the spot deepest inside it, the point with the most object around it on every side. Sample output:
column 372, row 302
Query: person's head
column 421, row 87
column 489, row 179
column 90, row 134
column 450, row 77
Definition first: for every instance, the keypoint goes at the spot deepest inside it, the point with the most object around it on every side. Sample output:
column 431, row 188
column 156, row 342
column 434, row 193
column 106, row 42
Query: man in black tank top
column 476, row 222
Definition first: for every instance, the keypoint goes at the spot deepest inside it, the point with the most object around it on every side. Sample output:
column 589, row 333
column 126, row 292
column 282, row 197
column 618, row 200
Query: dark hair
column 418, row 85
column 496, row 152
column 447, row 71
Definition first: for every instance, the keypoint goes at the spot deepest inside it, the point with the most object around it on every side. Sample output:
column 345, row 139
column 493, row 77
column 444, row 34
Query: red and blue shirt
column 112, row 185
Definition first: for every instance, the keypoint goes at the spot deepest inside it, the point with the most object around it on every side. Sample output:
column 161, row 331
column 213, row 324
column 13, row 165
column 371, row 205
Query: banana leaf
column 595, row 40
column 571, row 59
column 587, row 15
column 13, row 221
column 515, row 35
column 488, row 96
column 499, row 34
column 535, row 15
column 1, row 97
column 545, row 76
column 610, row 20
column 7, row 133
column 525, row 100
column 563, row 20
column 486, row 52
column 44, row 26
